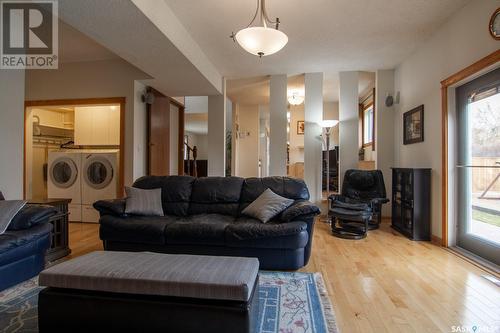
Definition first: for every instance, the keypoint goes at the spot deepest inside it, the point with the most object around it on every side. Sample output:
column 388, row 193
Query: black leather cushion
column 15, row 238
column 111, row 207
column 298, row 209
column 175, row 192
column 290, row 188
column 135, row 229
column 206, row 229
column 363, row 184
column 249, row 232
column 219, row 195
column 31, row 215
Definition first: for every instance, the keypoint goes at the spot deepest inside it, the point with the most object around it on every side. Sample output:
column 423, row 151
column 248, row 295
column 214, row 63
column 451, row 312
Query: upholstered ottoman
column 149, row 292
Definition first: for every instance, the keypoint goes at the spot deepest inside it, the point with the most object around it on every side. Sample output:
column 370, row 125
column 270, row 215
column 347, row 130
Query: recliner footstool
column 149, row 292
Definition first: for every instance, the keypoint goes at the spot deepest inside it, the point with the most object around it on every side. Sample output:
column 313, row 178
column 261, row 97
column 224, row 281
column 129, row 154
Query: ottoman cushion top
column 146, row 273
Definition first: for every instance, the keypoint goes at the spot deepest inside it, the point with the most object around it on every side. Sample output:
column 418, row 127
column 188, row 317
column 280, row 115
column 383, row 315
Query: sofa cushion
column 143, row 202
column 175, row 192
column 1, row 196
column 135, row 229
column 14, row 238
column 267, row 206
column 31, row 215
column 290, row 188
column 8, row 210
column 249, row 232
column 219, row 195
column 203, row 229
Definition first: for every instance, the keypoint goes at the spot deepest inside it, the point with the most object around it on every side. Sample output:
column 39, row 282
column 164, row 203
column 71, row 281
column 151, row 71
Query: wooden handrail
column 193, row 149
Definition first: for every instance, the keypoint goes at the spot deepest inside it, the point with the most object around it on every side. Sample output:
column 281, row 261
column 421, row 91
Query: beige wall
column 248, row 142
column 331, row 112
column 200, row 141
column 296, row 140
column 461, row 41
column 110, row 78
column 11, row 132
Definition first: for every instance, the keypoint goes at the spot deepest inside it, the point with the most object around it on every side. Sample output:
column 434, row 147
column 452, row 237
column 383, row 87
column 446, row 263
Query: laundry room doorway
column 74, row 150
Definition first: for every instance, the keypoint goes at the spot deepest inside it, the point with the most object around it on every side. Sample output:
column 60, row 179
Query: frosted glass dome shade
column 261, row 41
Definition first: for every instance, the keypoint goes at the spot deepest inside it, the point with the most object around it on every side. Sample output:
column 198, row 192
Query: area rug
column 289, row 303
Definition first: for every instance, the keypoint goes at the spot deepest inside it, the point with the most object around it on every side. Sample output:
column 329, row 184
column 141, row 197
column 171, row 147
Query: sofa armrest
column 301, row 208
column 114, row 207
column 31, row 215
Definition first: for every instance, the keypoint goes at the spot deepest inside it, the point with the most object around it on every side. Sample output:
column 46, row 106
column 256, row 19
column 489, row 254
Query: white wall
column 11, row 132
column 140, row 134
column 93, row 79
column 277, row 125
column 217, row 135
column 200, row 141
column 248, row 143
column 296, row 140
column 384, row 130
column 313, row 114
column 349, row 122
column 461, row 41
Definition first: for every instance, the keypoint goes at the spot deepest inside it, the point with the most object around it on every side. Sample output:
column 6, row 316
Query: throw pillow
column 143, row 202
column 267, row 206
column 1, row 196
column 9, row 209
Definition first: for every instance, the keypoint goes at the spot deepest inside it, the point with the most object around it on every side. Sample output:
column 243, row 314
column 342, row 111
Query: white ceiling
column 74, row 46
column 324, row 35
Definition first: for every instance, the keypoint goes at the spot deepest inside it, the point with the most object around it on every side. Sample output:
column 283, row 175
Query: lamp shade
column 328, row 123
column 261, row 41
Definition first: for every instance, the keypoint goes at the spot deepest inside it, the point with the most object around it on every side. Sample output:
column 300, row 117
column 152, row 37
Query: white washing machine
column 99, row 180
column 64, row 179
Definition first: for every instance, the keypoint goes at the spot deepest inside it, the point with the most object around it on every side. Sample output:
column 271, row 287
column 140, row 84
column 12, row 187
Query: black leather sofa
column 203, row 216
column 24, row 244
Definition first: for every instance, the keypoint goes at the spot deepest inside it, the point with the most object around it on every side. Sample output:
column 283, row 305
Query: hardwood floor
column 385, row 283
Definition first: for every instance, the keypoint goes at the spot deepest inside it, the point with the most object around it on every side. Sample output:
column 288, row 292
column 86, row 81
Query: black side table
column 60, row 244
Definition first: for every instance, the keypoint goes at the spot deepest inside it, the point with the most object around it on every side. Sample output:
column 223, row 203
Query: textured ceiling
column 324, row 35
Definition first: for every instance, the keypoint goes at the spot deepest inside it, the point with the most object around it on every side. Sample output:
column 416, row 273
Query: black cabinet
column 411, row 202
column 59, row 246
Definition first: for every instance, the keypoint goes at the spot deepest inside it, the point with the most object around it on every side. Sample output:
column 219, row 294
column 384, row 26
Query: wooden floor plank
column 384, row 283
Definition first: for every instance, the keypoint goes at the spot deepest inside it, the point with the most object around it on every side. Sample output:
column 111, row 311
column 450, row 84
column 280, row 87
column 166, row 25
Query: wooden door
column 159, row 135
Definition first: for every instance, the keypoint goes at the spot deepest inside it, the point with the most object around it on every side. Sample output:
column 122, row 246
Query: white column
column 217, row 134
column 277, row 125
column 313, row 114
column 384, row 129
column 349, row 122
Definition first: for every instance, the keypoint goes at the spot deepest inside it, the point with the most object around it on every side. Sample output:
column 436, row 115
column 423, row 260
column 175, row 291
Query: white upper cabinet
column 97, row 126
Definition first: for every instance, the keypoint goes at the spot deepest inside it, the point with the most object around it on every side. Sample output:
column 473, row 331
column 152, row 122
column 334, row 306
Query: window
column 367, row 124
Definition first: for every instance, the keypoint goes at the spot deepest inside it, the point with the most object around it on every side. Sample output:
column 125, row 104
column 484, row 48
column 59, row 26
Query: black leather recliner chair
column 361, row 200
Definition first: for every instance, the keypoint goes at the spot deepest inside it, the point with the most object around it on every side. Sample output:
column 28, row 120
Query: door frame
column 82, row 101
column 464, row 74
column 181, row 119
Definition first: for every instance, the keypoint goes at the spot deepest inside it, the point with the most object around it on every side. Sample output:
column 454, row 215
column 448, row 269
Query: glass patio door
column 478, row 169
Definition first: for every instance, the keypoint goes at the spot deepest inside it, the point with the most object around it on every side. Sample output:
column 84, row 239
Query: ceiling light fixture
column 261, row 40
column 295, row 98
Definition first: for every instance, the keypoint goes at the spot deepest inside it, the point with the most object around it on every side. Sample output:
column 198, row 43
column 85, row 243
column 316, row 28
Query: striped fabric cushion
column 143, row 202
column 146, row 273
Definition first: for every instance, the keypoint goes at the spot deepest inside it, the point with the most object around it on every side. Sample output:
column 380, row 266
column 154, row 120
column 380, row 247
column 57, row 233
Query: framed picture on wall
column 413, row 125
column 300, row 127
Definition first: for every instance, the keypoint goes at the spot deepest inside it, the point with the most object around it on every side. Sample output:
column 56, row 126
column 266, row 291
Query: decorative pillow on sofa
column 267, row 206
column 9, row 209
column 1, row 196
column 143, row 202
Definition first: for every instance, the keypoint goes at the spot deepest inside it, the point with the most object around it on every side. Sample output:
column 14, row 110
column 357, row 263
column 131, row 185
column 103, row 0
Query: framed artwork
column 300, row 127
column 413, row 125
